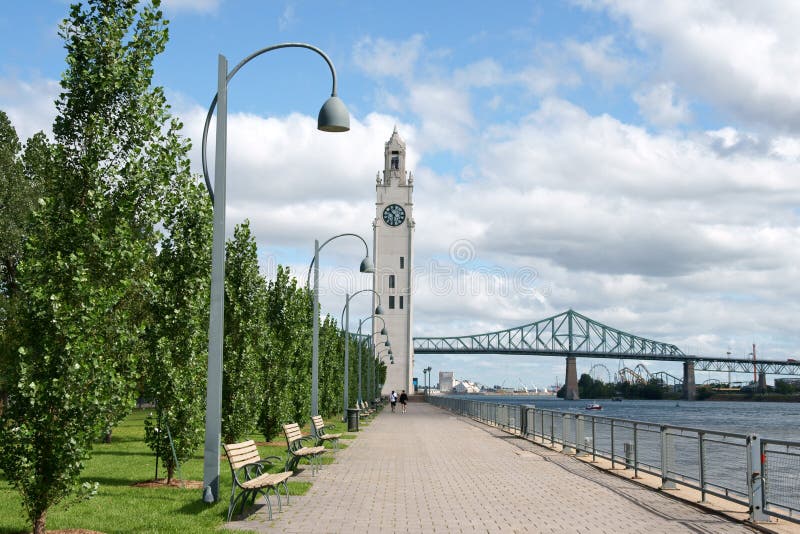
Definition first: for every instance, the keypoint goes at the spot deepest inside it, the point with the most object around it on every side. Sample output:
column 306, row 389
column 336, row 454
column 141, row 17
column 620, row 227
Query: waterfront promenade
column 431, row 471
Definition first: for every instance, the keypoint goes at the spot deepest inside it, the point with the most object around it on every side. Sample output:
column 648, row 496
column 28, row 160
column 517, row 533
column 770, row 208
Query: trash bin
column 352, row 419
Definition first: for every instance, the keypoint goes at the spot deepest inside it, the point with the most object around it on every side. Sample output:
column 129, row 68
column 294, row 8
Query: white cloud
column 382, row 58
column 484, row 73
column 660, row 107
column 600, row 57
column 30, row 105
column 287, row 17
column 445, row 114
column 740, row 56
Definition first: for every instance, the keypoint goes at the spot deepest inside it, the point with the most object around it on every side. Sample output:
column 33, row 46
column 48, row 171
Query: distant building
column 446, row 382
column 465, row 386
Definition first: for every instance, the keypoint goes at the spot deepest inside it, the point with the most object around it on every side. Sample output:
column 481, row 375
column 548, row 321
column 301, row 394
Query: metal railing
column 762, row 474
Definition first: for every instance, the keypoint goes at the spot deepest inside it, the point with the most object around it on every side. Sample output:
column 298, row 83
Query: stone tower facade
column 393, row 248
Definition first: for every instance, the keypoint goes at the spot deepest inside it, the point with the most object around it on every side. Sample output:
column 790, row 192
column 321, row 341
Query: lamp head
column 391, row 360
column 384, row 332
column 366, row 266
column 387, row 343
column 333, row 117
column 378, row 310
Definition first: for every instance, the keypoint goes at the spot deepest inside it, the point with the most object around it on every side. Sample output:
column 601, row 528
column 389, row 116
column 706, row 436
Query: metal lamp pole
column 346, row 322
column 365, row 267
column 384, row 332
column 428, row 386
column 378, row 358
column 333, row 117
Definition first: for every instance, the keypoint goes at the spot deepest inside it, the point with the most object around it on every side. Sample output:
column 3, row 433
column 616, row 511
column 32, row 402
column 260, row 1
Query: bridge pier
column 689, row 389
column 571, row 383
column 762, row 381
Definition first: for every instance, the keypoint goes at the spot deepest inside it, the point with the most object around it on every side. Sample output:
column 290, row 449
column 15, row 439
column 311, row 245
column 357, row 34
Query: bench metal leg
column 286, row 487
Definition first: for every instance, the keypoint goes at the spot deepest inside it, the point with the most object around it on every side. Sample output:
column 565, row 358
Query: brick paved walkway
column 431, row 471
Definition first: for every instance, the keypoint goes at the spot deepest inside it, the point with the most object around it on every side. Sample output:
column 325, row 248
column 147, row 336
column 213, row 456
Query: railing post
column 701, row 454
column 566, row 423
column 635, row 451
column 552, row 429
column 580, row 446
column 666, row 441
column 756, row 461
column 612, row 445
column 594, row 441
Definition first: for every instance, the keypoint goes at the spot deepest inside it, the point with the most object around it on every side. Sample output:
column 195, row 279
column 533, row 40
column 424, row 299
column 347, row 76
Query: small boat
column 593, row 406
column 616, row 399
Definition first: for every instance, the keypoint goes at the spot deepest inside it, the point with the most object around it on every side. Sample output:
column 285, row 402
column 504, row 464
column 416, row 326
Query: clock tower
column 394, row 253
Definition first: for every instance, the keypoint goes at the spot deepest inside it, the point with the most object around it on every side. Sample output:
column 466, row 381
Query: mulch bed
column 74, row 531
column 162, row 483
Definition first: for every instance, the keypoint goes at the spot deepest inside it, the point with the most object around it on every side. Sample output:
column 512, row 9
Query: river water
column 775, row 420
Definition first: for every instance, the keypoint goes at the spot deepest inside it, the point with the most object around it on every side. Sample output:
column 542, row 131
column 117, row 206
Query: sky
column 637, row 163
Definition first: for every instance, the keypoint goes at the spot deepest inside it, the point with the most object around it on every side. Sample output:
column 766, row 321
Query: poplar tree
column 286, row 366
column 16, row 204
column 175, row 368
column 86, row 270
column 245, row 298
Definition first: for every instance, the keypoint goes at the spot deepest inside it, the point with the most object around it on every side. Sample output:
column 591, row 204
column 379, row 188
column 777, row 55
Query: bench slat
column 244, row 459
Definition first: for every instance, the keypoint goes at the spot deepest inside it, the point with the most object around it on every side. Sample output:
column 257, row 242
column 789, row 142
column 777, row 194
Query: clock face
column 394, row 215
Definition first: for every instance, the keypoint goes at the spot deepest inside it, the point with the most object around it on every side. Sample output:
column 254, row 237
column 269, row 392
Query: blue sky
column 636, row 162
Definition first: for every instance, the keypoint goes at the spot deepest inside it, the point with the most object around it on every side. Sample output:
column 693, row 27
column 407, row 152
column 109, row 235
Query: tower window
column 391, row 302
column 402, row 262
column 391, row 281
column 401, row 302
column 395, row 160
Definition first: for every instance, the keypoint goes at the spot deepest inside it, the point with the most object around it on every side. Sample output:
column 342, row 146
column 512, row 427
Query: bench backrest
column 292, row 432
column 317, row 423
column 240, row 454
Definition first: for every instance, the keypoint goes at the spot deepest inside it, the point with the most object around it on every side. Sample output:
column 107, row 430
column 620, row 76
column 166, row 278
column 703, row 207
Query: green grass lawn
column 120, row 507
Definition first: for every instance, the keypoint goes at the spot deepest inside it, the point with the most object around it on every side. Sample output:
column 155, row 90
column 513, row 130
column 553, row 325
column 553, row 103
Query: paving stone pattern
column 431, row 471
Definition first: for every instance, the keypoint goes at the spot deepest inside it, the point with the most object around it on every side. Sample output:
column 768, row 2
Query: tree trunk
column 170, row 472
column 38, row 524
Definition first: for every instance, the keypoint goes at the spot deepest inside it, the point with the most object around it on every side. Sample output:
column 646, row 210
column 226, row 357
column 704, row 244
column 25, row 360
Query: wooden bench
column 364, row 409
column 250, row 476
column 298, row 450
column 321, row 432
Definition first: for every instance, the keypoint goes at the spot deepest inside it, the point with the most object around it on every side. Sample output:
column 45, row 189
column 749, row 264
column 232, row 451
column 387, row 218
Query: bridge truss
column 568, row 333
column 573, row 334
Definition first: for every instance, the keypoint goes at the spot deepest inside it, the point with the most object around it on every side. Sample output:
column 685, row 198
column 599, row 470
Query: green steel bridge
column 574, row 335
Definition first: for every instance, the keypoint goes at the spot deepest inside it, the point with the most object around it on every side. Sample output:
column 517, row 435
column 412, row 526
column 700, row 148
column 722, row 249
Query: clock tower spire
column 393, row 251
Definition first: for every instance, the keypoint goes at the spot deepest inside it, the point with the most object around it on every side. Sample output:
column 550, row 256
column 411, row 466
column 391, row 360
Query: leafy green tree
column 784, row 387
column 85, row 275
column 175, row 369
column 19, row 190
column 331, row 367
column 245, row 298
column 286, row 365
column 16, row 204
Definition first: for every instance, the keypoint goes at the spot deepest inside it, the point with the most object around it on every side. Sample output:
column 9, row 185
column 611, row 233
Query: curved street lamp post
column 346, row 322
column 333, row 117
column 384, row 332
column 378, row 357
column 365, row 267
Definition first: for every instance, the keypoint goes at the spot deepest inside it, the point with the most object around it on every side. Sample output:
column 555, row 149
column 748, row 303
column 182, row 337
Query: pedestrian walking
column 403, row 400
column 393, row 399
